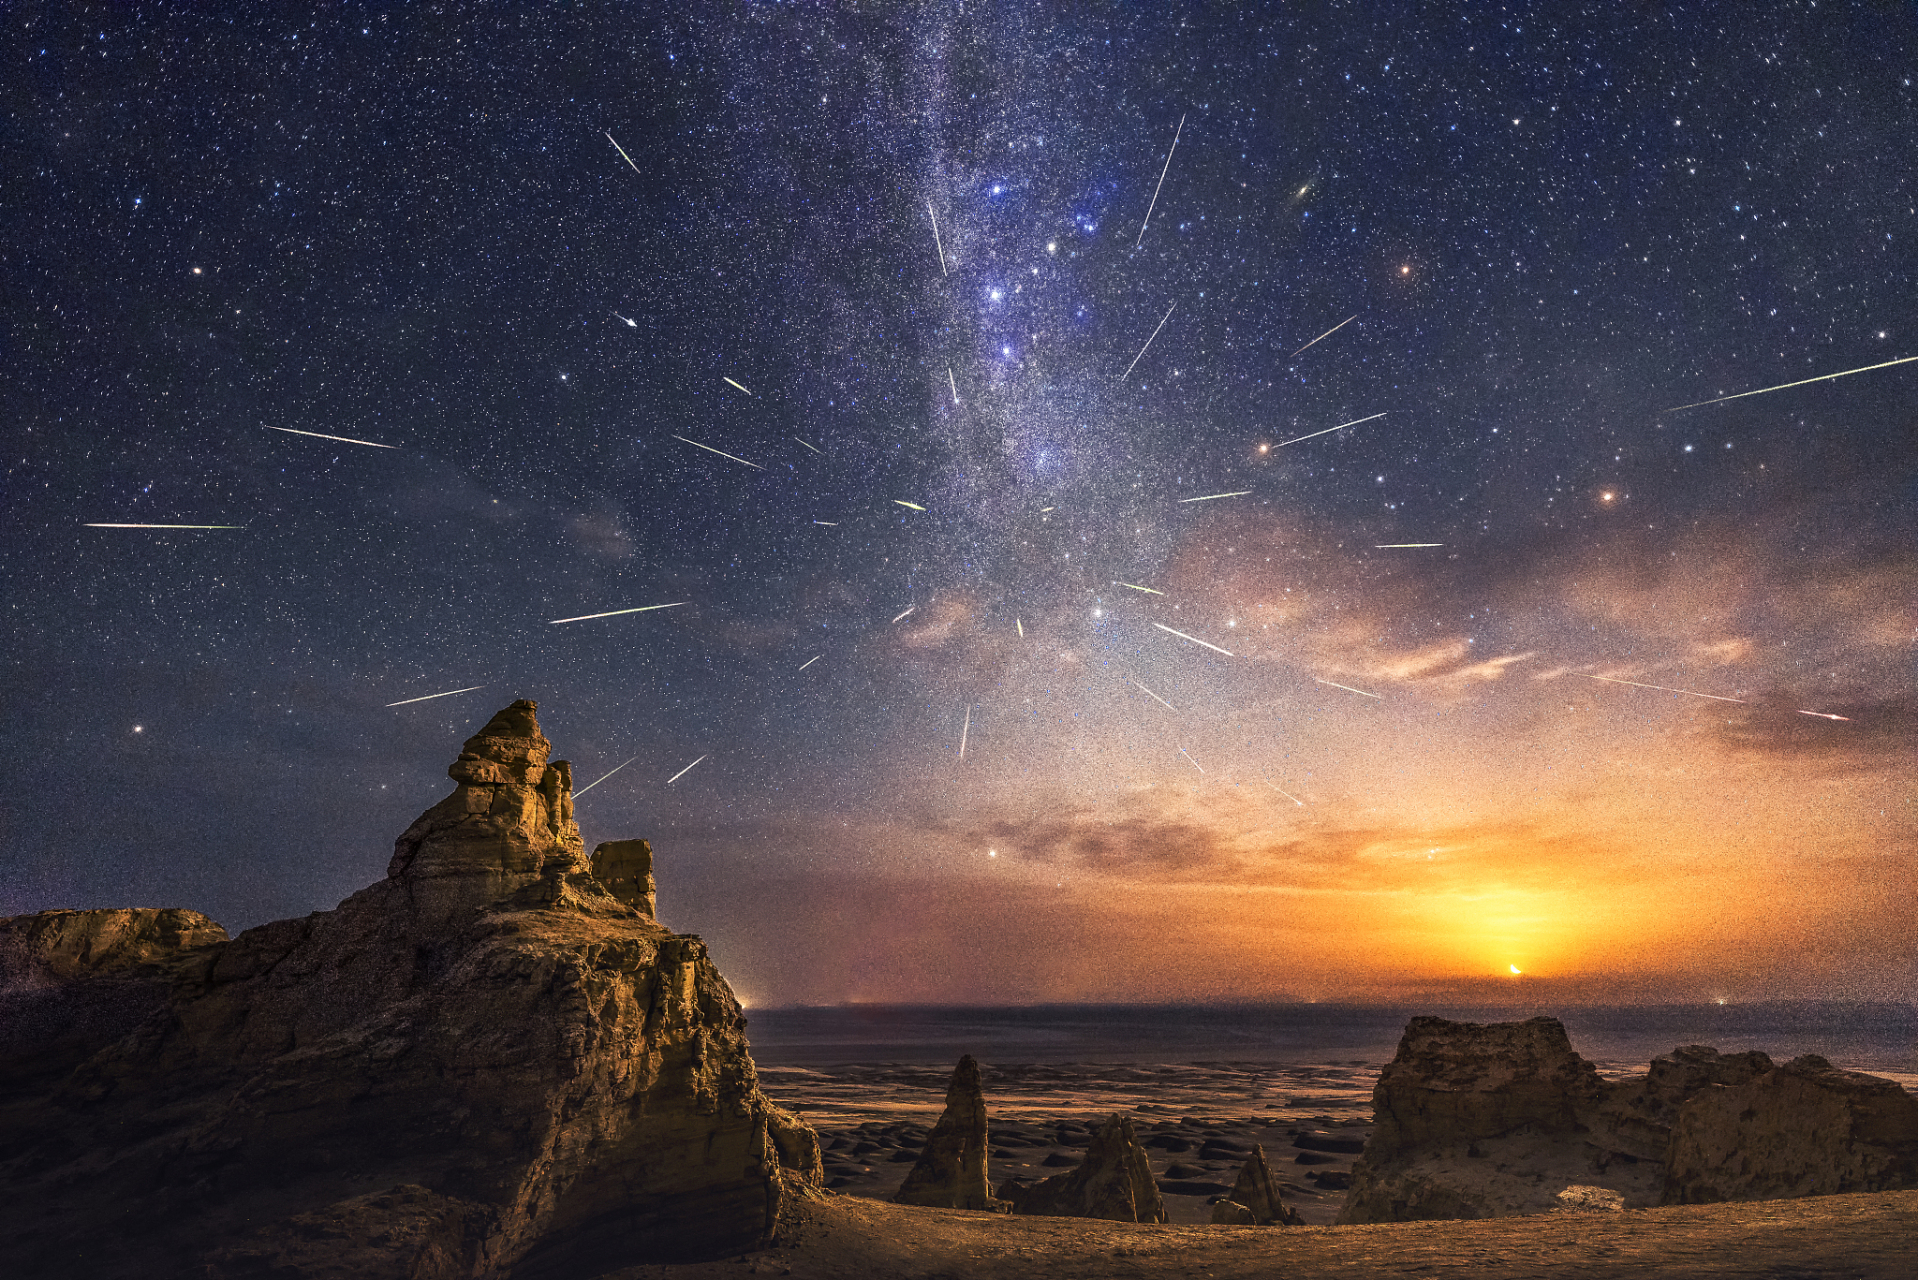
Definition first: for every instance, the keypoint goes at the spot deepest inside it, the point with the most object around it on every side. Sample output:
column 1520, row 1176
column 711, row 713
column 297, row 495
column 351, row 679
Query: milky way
column 1108, row 606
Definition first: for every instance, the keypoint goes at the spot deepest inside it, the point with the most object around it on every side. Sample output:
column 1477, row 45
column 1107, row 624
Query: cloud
column 1872, row 734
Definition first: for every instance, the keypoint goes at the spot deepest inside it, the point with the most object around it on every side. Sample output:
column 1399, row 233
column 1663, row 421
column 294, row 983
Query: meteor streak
column 830, row 524
column 1240, row 493
column 601, row 778
column 1148, row 342
column 724, row 378
column 623, row 156
column 721, row 452
column 1329, row 430
column 953, row 384
column 965, row 731
column 1823, row 715
column 469, row 688
column 814, row 448
column 1287, row 794
column 1690, row 693
column 808, row 662
column 1156, row 698
column 1195, row 640
column 1823, row 377
column 1349, row 689
column 166, row 526
column 1329, row 332
column 1021, row 627
column 1194, row 763
column 1386, row 546
column 630, row 322
column 909, row 609
column 1147, row 590
column 614, row 613
column 1155, row 191
column 902, row 502
column 935, row 239
column 342, row 439
column 682, row 773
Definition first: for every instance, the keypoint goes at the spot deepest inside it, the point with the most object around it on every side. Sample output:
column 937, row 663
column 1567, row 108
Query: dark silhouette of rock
column 1254, row 1198
column 485, row 1063
column 951, row 1171
column 1113, row 1182
column 1803, row 1129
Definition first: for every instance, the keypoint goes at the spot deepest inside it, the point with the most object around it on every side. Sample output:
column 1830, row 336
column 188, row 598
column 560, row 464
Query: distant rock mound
column 1254, row 1198
column 1113, row 1182
column 485, row 1064
column 951, row 1171
column 1803, row 1129
column 1490, row 1120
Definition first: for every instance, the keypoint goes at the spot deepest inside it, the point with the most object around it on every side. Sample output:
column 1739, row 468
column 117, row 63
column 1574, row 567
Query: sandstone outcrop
column 1803, row 1129
column 1481, row 1121
column 1113, row 1182
column 483, row 1065
column 1254, row 1198
column 951, row 1171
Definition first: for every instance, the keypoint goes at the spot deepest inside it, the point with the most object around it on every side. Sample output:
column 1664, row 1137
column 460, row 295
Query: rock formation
column 1803, row 1129
column 485, row 1064
column 624, row 868
column 1114, row 1182
column 1480, row 1121
column 1254, row 1198
column 951, row 1171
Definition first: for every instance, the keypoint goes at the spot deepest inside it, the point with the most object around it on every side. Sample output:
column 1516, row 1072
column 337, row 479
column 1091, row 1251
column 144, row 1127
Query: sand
column 1857, row 1237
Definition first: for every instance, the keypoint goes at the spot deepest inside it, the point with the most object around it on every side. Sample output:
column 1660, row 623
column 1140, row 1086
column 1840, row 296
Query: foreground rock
column 1113, row 1182
column 1254, row 1198
column 484, row 1064
column 1804, row 1129
column 951, row 1171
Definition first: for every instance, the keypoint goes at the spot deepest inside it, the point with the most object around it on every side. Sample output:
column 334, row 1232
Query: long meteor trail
column 721, row 452
column 468, row 689
column 614, row 613
column 724, row 378
column 1823, row 377
column 1240, row 493
column 165, row 526
column 601, row 778
column 1329, row 332
column 682, row 773
column 1155, row 191
column 1287, row 794
column 1329, row 430
column 1136, row 587
column 342, row 439
column 1148, row 343
column 1156, row 698
column 1195, row 640
column 1690, row 693
column 622, row 153
column 965, row 731
column 935, row 239
column 1348, row 688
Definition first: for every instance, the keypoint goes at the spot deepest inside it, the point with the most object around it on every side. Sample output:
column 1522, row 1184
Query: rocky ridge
column 484, row 1064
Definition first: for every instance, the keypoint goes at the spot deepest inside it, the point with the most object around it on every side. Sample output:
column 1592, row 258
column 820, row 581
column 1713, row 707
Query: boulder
column 1113, row 1182
column 1254, row 1198
column 483, row 1064
column 1803, row 1129
column 951, row 1171
column 1480, row 1120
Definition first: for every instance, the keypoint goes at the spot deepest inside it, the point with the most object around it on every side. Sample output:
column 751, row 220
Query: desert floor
column 1870, row 1236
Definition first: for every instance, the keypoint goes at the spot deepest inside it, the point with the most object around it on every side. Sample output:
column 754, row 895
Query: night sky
column 1373, row 771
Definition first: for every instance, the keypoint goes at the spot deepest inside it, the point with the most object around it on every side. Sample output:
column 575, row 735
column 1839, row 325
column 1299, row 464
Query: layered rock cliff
column 1491, row 1120
column 483, row 1065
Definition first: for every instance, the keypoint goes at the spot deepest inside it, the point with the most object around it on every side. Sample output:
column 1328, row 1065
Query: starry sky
column 910, row 353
